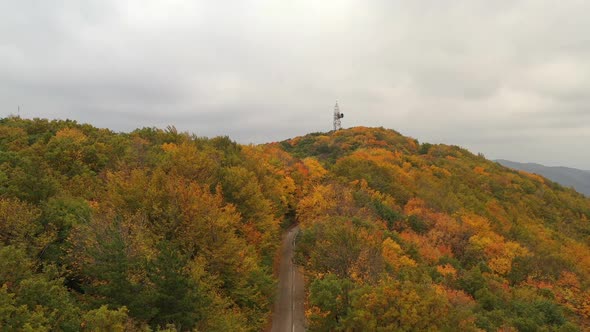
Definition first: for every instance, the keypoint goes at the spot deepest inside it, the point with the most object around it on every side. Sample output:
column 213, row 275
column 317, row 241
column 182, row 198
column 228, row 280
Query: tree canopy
column 167, row 231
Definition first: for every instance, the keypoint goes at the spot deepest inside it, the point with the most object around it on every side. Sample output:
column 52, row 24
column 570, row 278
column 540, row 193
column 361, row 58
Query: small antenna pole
column 337, row 117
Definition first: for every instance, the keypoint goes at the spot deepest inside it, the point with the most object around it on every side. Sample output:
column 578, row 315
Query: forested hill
column 399, row 235
column 160, row 230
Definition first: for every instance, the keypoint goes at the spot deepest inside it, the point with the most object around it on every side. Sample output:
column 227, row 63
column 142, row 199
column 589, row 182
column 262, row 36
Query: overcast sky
column 510, row 79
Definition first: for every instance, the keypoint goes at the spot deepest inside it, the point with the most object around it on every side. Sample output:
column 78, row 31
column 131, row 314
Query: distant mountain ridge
column 566, row 176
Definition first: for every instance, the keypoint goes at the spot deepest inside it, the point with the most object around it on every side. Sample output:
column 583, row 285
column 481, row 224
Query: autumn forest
column 159, row 230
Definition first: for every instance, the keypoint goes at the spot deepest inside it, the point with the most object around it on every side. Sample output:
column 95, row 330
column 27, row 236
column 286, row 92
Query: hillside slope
column 405, row 236
column 150, row 230
column 161, row 230
column 566, row 176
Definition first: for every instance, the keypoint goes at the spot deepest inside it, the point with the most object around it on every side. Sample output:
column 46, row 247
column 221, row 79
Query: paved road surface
column 288, row 312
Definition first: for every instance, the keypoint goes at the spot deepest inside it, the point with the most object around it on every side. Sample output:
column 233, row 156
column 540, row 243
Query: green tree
column 176, row 298
column 103, row 319
column 110, row 274
column 330, row 301
column 37, row 301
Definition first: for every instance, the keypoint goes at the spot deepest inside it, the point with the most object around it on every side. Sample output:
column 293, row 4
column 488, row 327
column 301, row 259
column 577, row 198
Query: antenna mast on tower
column 337, row 117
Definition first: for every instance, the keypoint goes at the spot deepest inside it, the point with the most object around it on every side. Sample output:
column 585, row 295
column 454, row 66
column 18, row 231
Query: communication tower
column 337, row 117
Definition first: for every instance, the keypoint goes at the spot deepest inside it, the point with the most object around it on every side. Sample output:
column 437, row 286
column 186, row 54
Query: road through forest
column 288, row 313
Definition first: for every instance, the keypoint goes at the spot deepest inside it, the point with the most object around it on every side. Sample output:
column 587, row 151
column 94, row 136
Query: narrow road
column 288, row 313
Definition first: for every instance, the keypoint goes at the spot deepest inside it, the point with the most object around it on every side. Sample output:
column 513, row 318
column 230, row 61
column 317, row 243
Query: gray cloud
column 506, row 78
